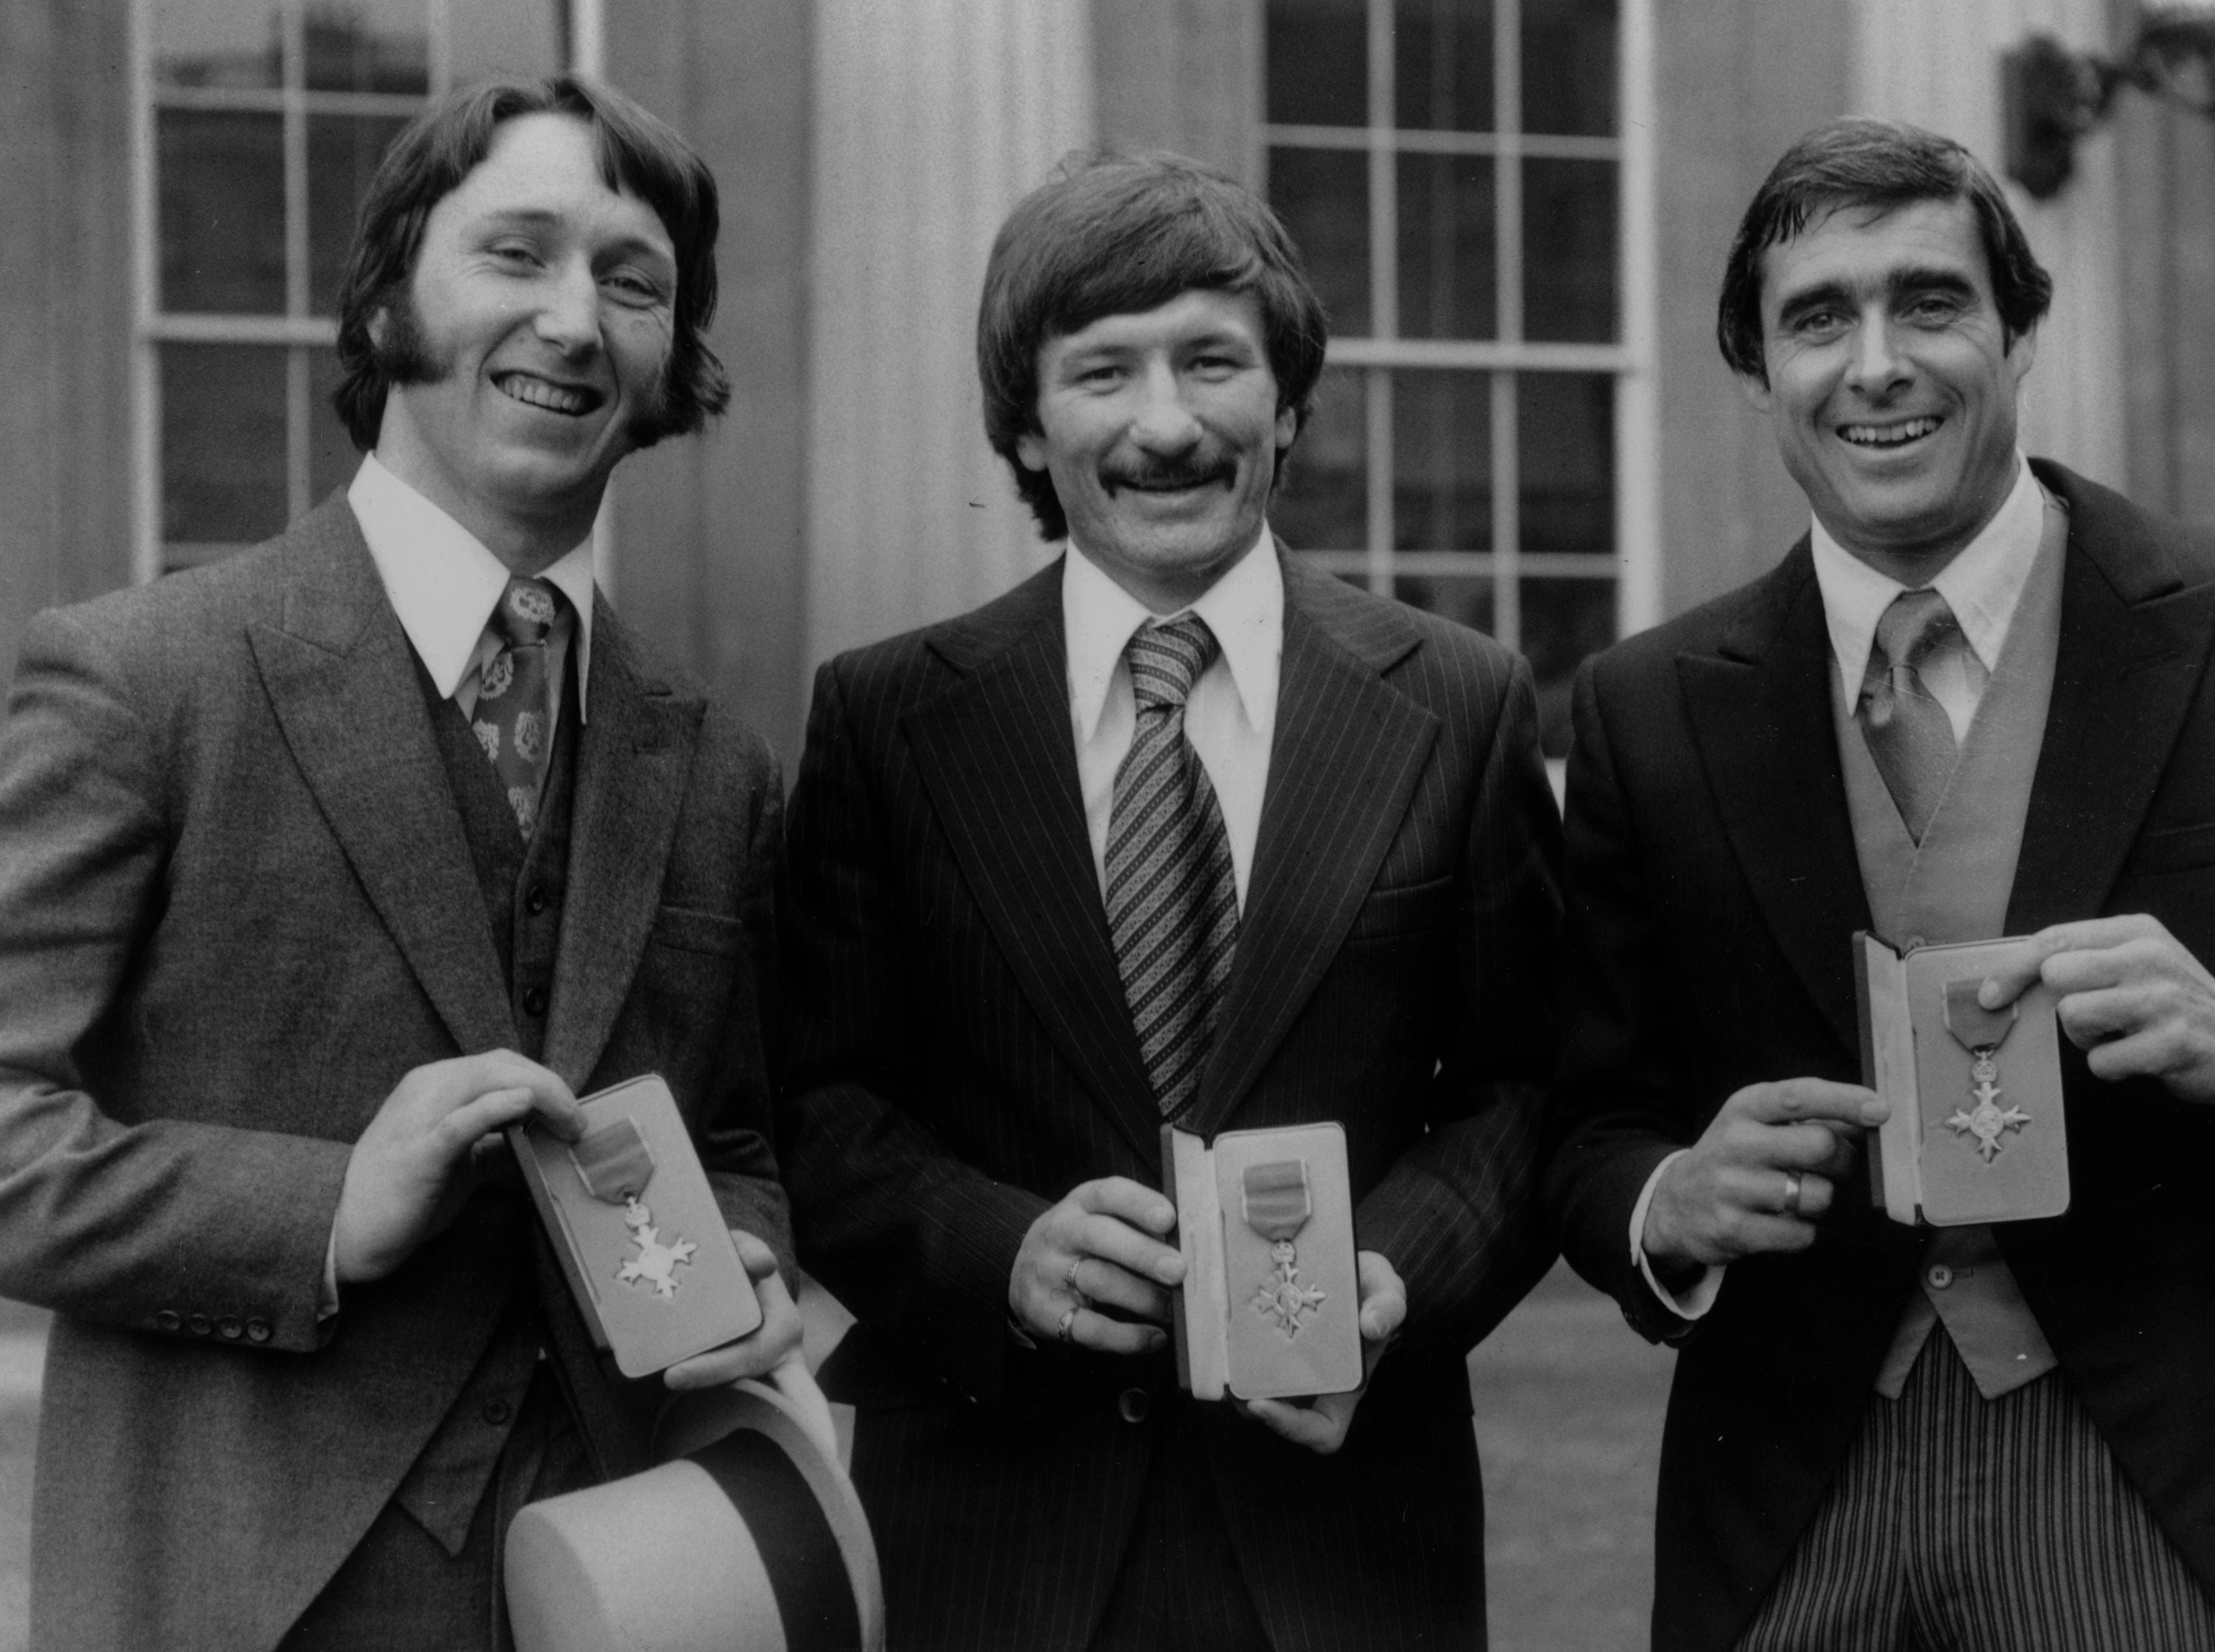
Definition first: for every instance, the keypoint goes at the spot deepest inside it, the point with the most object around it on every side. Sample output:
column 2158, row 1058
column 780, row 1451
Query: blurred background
column 1516, row 210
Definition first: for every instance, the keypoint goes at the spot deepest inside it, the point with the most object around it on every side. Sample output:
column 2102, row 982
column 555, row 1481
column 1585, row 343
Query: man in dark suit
column 1972, row 701
column 1354, row 852
column 319, row 866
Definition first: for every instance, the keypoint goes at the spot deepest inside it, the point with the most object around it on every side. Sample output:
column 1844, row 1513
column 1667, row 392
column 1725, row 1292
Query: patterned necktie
column 1907, row 732
column 1172, row 897
column 514, row 715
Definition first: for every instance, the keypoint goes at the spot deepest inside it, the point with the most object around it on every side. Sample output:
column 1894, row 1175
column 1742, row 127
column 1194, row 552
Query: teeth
column 537, row 393
column 1888, row 435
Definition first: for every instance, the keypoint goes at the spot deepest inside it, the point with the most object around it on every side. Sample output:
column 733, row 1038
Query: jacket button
column 534, row 902
column 497, row 1411
column 201, row 1324
column 231, row 1330
column 257, row 1330
column 1133, row 1404
column 534, row 1001
column 1939, row 1277
column 169, row 1319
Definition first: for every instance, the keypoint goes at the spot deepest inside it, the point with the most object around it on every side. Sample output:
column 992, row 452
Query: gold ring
column 1068, row 1322
column 1069, row 1280
column 1791, row 1193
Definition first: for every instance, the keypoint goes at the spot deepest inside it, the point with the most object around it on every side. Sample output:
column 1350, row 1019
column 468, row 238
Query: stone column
column 1938, row 66
column 932, row 117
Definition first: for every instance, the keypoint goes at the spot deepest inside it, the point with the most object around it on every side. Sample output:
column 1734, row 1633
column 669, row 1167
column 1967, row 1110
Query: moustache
column 1172, row 473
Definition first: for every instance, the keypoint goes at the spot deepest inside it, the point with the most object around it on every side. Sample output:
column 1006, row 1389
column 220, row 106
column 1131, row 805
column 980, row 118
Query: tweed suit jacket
column 237, row 906
column 962, row 1057
column 1712, row 888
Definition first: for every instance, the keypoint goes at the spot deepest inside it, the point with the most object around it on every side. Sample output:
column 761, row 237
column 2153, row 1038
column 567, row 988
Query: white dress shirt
column 1231, row 716
column 1982, row 585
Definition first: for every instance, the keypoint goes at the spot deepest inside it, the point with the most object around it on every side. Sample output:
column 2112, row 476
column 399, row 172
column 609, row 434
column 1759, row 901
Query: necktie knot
column 527, row 610
column 1907, row 732
column 1917, row 623
column 1167, row 660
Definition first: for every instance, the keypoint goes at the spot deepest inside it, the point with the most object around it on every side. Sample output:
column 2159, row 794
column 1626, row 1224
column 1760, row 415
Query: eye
column 1823, row 322
column 514, row 253
column 634, row 287
column 1932, row 309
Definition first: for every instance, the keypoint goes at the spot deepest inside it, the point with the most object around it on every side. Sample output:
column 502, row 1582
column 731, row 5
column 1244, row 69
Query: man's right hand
column 1729, row 1196
column 415, row 1165
column 1100, row 1244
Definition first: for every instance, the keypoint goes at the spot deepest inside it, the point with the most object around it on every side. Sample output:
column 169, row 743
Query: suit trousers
column 401, row 1590
column 1958, row 1524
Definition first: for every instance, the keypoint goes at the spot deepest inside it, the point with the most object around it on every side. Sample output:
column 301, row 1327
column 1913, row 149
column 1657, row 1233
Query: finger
column 2090, row 1018
column 755, row 1355
column 754, row 1255
column 1794, row 1101
column 1311, row 1426
column 1096, row 1280
column 1097, row 1331
column 459, row 1132
column 1131, row 1202
column 2151, row 1054
column 1804, row 1147
column 1136, row 1252
column 1383, row 1297
column 1816, row 1194
column 2037, row 960
column 1762, row 1230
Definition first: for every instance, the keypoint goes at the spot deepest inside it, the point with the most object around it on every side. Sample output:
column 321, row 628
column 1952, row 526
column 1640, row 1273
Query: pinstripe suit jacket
column 235, row 906
column 1713, row 888
column 963, row 1057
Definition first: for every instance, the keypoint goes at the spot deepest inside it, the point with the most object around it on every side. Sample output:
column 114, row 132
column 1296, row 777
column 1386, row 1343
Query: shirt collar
column 1245, row 608
column 442, row 582
column 1982, row 585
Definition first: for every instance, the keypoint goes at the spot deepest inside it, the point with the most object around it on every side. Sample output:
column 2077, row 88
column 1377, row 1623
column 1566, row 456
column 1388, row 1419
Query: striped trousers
column 1958, row 1524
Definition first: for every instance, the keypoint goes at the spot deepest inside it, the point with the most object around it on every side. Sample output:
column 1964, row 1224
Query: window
column 258, row 125
column 1460, row 175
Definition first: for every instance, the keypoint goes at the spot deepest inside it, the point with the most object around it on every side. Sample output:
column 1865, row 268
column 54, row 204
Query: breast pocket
column 688, row 930
column 1408, row 909
column 2172, row 849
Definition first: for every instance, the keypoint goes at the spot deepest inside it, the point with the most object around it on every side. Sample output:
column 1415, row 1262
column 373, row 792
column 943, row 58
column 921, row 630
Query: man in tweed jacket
column 970, row 1122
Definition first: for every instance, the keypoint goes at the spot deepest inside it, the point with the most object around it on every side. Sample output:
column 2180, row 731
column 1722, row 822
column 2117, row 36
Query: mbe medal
column 615, row 1165
column 1277, row 1207
column 1981, row 1032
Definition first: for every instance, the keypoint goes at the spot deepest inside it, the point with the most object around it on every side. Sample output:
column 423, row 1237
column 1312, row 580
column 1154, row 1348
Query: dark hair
column 1115, row 235
column 1883, row 164
column 442, row 146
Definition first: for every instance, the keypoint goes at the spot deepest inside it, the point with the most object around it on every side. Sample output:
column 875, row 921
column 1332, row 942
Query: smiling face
column 1161, row 430
column 1891, row 386
column 537, row 334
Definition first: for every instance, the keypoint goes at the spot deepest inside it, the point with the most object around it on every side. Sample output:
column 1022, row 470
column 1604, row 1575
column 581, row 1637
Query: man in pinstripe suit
column 1973, row 701
column 980, row 1069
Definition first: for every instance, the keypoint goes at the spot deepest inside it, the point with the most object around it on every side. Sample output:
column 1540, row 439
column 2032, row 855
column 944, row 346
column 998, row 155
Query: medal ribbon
column 1275, row 1198
column 613, row 1162
column 1974, row 1026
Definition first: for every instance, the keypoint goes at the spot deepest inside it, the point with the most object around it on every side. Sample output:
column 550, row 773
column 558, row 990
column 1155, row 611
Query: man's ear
column 1755, row 387
column 379, row 319
column 1030, row 448
column 2022, row 352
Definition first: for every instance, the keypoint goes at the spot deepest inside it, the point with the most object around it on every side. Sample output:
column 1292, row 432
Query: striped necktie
column 514, row 716
column 1172, row 896
column 1907, row 732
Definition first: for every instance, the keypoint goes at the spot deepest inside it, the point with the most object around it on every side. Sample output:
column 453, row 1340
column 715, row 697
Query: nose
column 1877, row 366
column 1163, row 423
column 568, row 315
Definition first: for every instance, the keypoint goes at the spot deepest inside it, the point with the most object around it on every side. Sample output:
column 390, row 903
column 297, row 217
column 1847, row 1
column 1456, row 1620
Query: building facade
column 1516, row 210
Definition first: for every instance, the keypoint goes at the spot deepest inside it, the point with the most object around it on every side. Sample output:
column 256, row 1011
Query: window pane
column 1465, row 599
column 1441, row 461
column 222, row 210
column 332, row 459
column 1568, row 67
column 508, row 37
column 1323, row 504
column 219, row 43
column 1448, row 284
column 1564, row 443
column 1568, row 250
column 1318, row 63
column 1442, row 65
column 368, row 45
column 342, row 153
column 1322, row 196
column 223, row 442
column 1563, row 621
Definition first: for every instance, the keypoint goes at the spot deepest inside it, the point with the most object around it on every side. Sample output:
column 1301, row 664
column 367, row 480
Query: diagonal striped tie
column 1172, row 897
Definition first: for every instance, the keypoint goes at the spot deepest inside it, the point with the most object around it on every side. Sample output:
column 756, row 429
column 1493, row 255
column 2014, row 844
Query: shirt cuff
column 1694, row 1301
column 327, row 1293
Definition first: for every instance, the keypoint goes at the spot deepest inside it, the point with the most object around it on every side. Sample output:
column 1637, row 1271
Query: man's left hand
column 2129, row 996
column 769, row 1344
column 1320, row 1424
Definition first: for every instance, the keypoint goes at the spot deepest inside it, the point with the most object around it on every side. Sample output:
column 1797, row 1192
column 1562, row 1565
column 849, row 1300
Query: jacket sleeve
column 1458, row 1214
column 917, row 1242
column 159, row 1223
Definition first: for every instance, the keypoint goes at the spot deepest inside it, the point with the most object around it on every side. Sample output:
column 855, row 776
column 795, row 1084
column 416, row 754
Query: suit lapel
column 340, row 676
column 1760, row 713
column 2134, row 645
column 996, row 756
column 1343, row 764
column 633, row 758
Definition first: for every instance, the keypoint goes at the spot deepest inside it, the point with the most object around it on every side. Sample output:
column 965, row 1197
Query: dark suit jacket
column 235, row 906
column 1712, row 888
column 963, row 1057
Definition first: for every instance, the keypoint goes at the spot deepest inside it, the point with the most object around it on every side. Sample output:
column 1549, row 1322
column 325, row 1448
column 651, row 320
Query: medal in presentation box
column 653, row 1270
column 1977, row 1132
column 1270, row 1304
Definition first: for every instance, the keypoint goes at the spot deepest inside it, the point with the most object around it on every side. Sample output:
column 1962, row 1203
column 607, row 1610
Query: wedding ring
column 1791, row 1193
column 1064, row 1329
column 1069, row 1280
